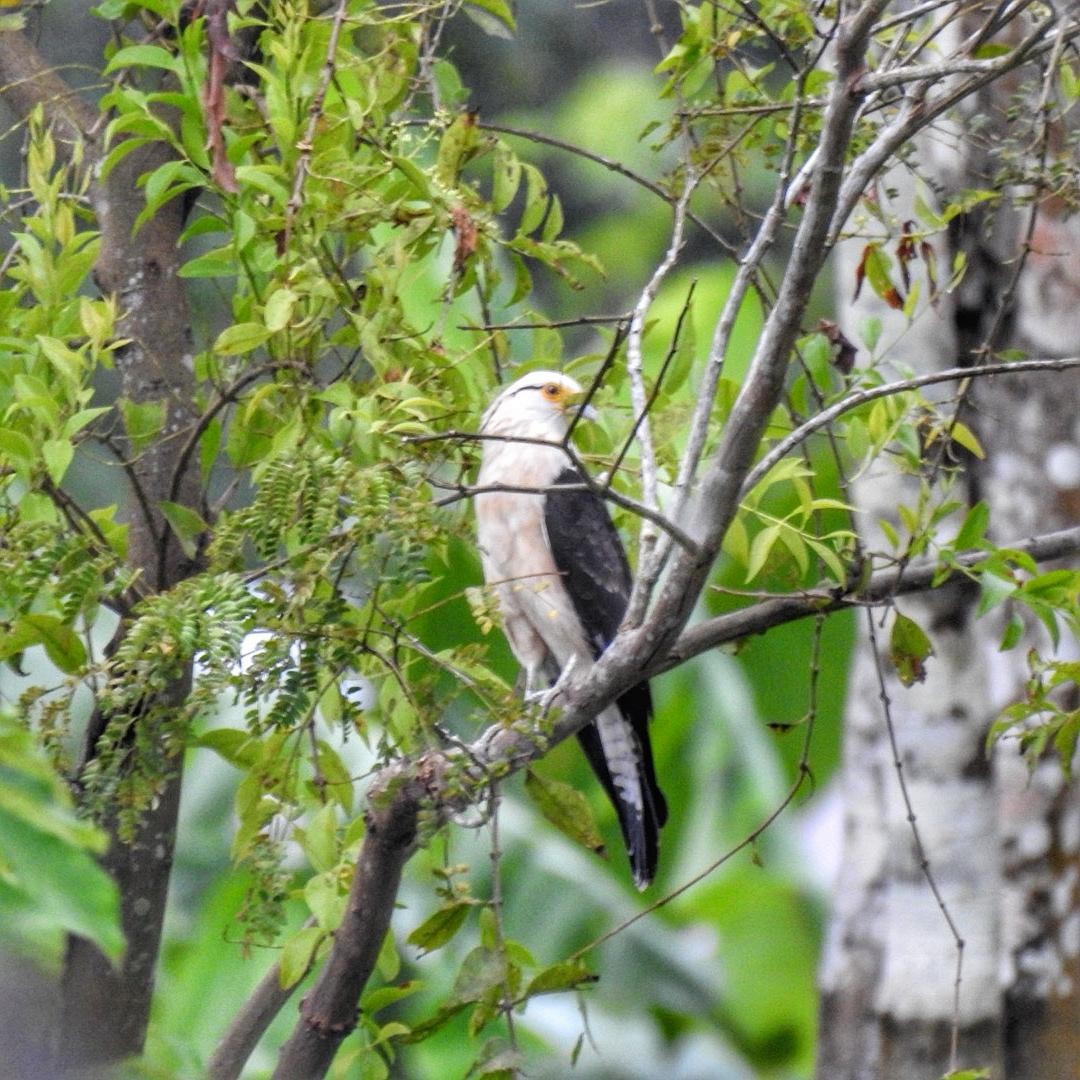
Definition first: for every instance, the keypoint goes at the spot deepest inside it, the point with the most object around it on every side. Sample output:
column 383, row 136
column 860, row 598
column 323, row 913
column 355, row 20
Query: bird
column 555, row 560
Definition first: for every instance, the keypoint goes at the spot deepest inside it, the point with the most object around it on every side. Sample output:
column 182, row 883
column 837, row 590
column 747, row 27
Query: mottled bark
column 1031, row 478
column 1002, row 848
column 105, row 1008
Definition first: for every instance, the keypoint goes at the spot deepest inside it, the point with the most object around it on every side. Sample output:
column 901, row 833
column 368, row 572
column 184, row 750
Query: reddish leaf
column 466, row 234
column 845, row 353
column 905, row 252
column 860, row 274
column 222, row 53
column 929, row 256
column 874, row 267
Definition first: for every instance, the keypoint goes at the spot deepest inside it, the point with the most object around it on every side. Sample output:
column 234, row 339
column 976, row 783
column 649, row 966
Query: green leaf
column 760, row 550
column 143, row 420
column 49, row 878
column 536, row 200
column 414, row 174
column 298, row 954
column 239, row 748
column 382, row 996
column 66, row 362
column 325, row 900
column 145, row 56
column 388, row 962
column 993, row 590
column 338, row 781
column 62, row 645
column 505, row 178
column 565, row 975
column 909, row 648
column 57, row 455
column 973, row 530
column 501, row 17
column 1013, row 632
column 78, row 420
column 963, row 435
column 481, row 970
column 457, row 145
column 186, row 525
column 241, row 338
column 218, row 262
column 279, row 309
column 566, row 808
column 18, row 450
column 319, row 838
column 440, row 927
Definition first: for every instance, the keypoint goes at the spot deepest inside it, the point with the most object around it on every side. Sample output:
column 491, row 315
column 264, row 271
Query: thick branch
column 717, row 498
column 329, row 1012
column 885, row 584
column 27, row 81
column 106, row 1009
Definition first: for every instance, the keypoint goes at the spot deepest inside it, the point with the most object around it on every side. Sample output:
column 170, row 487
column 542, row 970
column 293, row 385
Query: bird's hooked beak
column 582, row 411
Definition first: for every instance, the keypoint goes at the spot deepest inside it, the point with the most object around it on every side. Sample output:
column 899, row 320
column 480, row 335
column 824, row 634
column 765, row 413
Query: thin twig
column 882, row 585
column 635, row 361
column 861, row 397
column 920, row 850
column 506, row 1006
column 467, row 491
column 613, row 166
column 307, row 144
column 547, row 324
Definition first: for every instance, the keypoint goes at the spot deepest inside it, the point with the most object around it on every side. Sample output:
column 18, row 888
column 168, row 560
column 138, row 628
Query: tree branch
column 717, row 498
column 635, row 362
column 250, row 1023
column 329, row 1012
column 861, row 397
column 882, row 586
column 27, row 81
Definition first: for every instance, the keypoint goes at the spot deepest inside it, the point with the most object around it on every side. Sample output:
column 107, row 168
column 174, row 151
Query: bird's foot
column 546, row 698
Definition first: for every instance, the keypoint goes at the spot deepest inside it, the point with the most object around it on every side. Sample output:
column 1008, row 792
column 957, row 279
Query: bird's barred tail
column 631, row 784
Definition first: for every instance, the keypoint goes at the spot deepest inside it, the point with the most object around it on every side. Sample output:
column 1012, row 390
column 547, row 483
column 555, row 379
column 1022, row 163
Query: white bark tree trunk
column 1002, row 849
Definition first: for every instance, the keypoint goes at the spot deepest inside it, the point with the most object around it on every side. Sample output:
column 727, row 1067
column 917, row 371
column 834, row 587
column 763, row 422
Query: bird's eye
column 551, row 391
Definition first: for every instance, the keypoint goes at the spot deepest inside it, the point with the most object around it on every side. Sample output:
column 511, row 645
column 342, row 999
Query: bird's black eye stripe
column 536, row 386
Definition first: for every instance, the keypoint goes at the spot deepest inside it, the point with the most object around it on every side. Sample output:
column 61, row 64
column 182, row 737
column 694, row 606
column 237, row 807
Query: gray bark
column 105, row 1009
column 1003, row 849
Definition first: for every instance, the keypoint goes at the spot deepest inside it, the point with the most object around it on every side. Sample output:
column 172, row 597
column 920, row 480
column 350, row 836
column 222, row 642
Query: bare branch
column 27, row 81
column 329, row 1012
column 861, row 397
column 303, row 162
column 882, row 586
column 646, row 513
column 250, row 1024
column 917, row 112
column 717, row 496
column 635, row 362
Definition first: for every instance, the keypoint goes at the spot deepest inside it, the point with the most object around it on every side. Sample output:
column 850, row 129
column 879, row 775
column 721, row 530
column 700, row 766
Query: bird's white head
column 540, row 405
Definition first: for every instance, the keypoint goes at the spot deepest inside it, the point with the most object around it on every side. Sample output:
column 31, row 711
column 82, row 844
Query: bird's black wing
column 590, row 557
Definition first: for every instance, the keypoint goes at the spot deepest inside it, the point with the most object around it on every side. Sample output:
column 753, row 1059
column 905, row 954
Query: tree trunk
column 105, row 1009
column 1003, row 849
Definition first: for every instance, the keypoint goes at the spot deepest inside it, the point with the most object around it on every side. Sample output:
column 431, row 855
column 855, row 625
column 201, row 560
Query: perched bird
column 563, row 584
